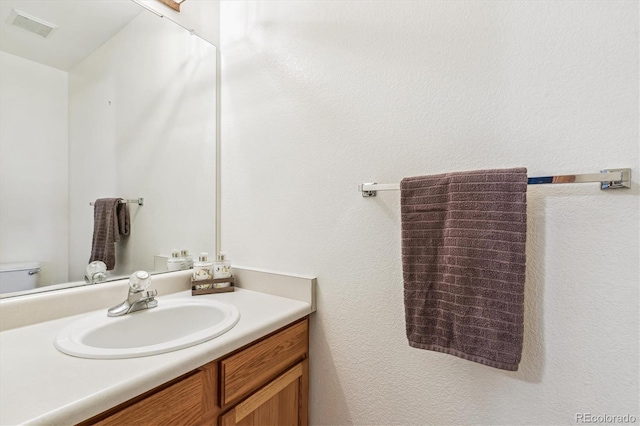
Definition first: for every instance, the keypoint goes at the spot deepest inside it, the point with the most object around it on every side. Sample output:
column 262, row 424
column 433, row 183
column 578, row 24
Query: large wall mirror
column 114, row 101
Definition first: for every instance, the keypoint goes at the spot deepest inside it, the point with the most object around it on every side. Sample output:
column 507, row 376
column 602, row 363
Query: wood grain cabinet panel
column 178, row 404
column 279, row 403
column 253, row 367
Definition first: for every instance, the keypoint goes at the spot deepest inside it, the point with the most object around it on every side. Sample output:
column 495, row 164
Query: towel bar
column 608, row 178
column 138, row 201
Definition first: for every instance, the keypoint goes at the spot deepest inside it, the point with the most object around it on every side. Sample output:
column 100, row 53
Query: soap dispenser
column 222, row 267
column 202, row 268
column 188, row 259
column 175, row 262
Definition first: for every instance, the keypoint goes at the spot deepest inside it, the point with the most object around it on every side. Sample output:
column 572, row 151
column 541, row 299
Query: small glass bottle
column 222, row 269
column 202, row 268
column 175, row 262
column 188, row 259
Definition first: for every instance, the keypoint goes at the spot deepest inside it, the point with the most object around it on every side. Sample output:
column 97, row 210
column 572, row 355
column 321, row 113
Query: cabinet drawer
column 178, row 404
column 253, row 367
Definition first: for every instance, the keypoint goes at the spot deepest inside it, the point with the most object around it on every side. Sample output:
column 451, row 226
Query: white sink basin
column 173, row 325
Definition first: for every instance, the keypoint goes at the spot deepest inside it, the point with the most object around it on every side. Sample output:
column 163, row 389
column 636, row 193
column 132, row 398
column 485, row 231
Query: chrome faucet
column 96, row 272
column 139, row 297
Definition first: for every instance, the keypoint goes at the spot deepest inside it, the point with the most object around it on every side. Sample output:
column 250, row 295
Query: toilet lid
column 18, row 266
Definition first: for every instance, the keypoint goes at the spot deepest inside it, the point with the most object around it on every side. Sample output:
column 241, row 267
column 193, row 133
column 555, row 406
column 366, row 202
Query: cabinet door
column 178, row 404
column 282, row 402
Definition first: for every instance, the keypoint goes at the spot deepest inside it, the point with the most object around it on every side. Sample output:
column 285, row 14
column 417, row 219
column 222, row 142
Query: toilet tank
column 18, row 276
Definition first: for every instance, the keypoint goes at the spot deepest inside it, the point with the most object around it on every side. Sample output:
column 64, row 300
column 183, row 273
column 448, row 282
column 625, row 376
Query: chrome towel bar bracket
column 624, row 182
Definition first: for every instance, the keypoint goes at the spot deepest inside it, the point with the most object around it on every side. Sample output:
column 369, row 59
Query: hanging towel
column 463, row 261
column 110, row 220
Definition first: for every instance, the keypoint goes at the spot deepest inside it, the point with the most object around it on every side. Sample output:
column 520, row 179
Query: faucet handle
column 139, row 281
column 96, row 272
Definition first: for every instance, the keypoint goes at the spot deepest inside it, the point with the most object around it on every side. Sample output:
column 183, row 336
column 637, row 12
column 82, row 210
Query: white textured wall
column 33, row 166
column 319, row 96
column 144, row 126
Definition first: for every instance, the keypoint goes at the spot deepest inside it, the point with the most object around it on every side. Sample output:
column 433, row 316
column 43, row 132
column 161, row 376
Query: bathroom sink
column 174, row 324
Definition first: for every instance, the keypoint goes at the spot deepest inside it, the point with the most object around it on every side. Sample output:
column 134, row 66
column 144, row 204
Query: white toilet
column 18, row 276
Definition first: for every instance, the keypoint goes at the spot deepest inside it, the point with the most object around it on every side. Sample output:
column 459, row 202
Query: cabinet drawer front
column 251, row 368
column 178, row 404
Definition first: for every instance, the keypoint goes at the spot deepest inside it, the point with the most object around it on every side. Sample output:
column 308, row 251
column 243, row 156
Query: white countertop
column 40, row 385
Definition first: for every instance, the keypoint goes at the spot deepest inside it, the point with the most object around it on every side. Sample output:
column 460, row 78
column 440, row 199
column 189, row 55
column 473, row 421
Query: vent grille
column 30, row 23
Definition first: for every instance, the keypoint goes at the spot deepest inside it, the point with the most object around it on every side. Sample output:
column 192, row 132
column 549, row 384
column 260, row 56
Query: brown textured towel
column 463, row 261
column 110, row 220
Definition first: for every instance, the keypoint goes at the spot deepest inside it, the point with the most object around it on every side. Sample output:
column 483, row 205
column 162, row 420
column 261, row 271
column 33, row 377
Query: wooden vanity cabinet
column 263, row 383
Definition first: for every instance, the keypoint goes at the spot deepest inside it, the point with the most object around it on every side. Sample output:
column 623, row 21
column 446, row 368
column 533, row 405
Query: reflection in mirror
column 115, row 102
column 173, row 4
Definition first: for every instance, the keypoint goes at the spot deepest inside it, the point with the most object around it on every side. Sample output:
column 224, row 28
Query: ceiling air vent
column 30, row 23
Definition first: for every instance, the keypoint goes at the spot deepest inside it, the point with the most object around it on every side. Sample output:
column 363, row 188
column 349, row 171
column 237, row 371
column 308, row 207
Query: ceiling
column 82, row 27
